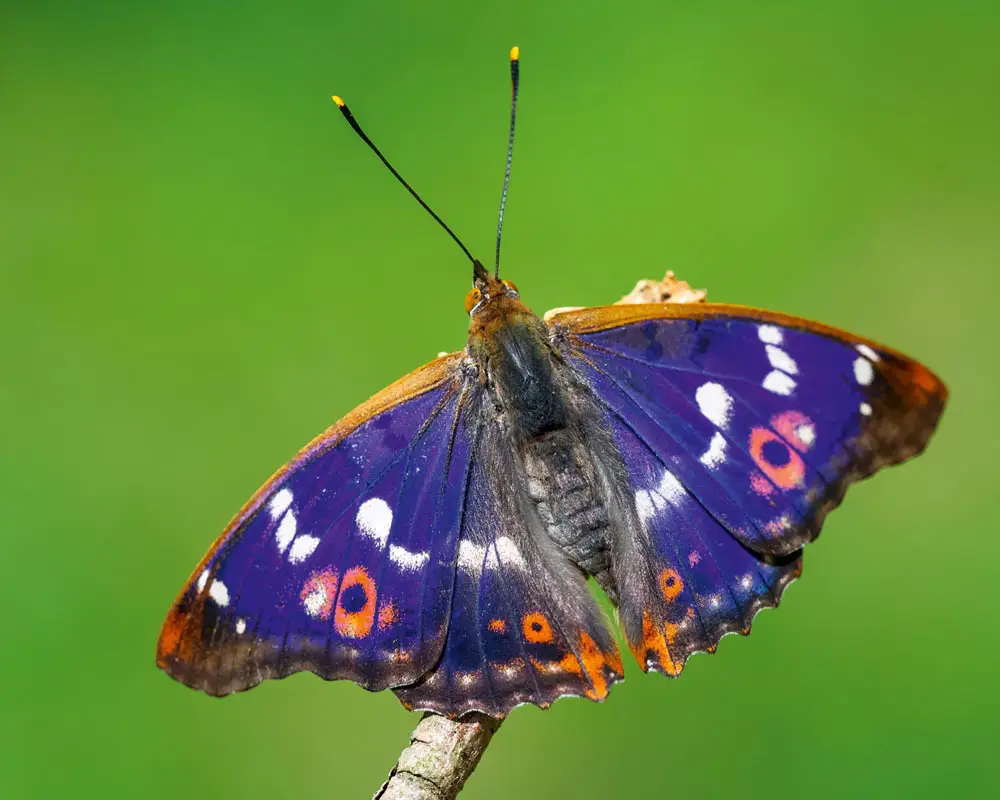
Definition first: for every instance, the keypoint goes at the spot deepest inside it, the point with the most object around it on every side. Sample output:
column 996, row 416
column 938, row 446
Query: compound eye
column 510, row 286
column 472, row 300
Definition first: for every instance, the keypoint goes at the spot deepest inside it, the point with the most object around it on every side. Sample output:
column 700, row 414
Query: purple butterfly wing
column 739, row 430
column 524, row 627
column 343, row 564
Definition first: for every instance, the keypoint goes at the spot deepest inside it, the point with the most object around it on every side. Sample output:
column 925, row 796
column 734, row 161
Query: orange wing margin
column 906, row 373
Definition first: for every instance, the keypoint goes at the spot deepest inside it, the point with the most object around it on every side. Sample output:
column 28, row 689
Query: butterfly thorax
column 543, row 430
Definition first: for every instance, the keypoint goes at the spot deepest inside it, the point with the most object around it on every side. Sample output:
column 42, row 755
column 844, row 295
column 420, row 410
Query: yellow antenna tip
column 515, row 53
column 336, row 99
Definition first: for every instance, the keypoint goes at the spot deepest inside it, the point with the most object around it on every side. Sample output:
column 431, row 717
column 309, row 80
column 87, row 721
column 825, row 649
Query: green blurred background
column 201, row 267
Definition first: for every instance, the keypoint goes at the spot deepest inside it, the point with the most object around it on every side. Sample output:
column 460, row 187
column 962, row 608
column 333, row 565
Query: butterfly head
column 487, row 290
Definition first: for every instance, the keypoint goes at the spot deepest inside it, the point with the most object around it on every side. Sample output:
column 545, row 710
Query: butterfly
column 437, row 541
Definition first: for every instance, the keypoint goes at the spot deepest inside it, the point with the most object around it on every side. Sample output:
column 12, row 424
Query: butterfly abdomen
column 546, row 418
column 562, row 486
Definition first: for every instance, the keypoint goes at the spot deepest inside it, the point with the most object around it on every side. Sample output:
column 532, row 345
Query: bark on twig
column 442, row 752
column 441, row 757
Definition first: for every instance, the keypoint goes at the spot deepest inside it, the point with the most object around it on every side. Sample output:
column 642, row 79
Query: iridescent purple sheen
column 650, row 374
column 723, row 582
column 409, row 550
column 414, row 457
column 490, row 663
column 737, row 437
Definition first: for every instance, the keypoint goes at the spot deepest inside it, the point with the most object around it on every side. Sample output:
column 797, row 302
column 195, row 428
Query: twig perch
column 443, row 753
column 441, row 757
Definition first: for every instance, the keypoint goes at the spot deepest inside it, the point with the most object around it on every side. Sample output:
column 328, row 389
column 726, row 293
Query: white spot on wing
column 302, row 548
column 778, row 382
column 781, row 360
column 715, row 403
column 865, row 409
column 202, row 580
column 806, row 434
column 716, row 452
column 285, row 532
column 241, row 626
column 280, row 503
column 315, row 600
column 406, row 560
column 863, row 371
column 770, row 334
column 219, row 593
column 669, row 490
column 375, row 519
column 470, row 556
column 509, row 553
column 867, row 352
column 644, row 506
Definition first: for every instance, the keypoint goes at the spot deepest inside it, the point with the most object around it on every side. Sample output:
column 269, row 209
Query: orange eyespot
column 510, row 285
column 536, row 628
column 472, row 300
column 354, row 620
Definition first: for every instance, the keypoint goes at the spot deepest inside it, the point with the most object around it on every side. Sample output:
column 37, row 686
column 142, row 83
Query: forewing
column 343, row 563
column 740, row 430
column 524, row 627
column 767, row 418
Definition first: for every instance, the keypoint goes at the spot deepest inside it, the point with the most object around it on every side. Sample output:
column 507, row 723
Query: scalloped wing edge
column 675, row 666
column 472, row 708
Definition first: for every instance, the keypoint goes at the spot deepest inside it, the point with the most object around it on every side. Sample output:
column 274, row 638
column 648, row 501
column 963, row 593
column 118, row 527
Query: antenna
column 364, row 137
column 515, row 55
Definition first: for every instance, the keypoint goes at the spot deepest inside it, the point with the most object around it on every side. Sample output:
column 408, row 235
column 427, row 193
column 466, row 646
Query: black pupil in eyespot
column 775, row 453
column 354, row 598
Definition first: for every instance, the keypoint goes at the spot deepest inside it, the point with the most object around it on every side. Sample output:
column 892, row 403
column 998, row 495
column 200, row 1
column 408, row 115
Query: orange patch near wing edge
column 594, row 660
column 919, row 381
column 497, row 626
column 656, row 641
column 172, row 641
